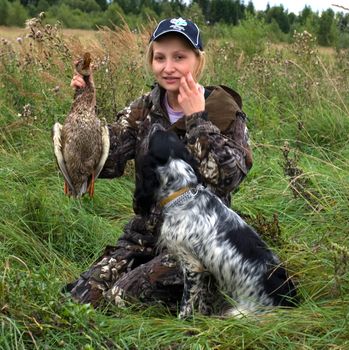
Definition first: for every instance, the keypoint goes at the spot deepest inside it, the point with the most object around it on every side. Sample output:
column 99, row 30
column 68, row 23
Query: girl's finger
column 182, row 92
column 77, row 82
column 191, row 82
column 184, row 85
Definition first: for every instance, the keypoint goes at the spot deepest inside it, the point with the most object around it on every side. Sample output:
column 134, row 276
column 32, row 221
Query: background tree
column 103, row 4
column 250, row 8
column 292, row 18
column 167, row 10
column 205, row 6
column 280, row 16
column 4, row 7
column 194, row 12
column 343, row 27
column 178, row 6
column 17, row 14
column 112, row 16
column 223, row 15
column 304, row 15
column 42, row 5
column 83, row 5
column 128, row 6
column 29, row 2
column 327, row 30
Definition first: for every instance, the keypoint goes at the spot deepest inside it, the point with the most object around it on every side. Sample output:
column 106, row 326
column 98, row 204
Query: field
column 296, row 97
column 12, row 33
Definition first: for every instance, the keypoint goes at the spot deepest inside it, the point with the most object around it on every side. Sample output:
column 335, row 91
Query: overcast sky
column 297, row 6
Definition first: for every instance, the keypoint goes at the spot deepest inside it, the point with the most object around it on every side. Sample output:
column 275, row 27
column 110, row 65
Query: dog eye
column 170, row 180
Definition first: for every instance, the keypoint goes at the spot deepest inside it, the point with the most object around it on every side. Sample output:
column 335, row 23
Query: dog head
column 167, row 167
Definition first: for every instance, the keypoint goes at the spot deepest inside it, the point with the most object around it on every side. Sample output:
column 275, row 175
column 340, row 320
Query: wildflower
column 38, row 35
column 31, row 23
column 27, row 111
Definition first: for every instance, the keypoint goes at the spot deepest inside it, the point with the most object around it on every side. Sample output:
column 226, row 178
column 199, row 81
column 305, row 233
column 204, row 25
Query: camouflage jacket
column 134, row 268
column 217, row 137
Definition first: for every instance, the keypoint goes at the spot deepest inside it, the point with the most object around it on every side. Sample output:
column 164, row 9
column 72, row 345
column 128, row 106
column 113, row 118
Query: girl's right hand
column 77, row 82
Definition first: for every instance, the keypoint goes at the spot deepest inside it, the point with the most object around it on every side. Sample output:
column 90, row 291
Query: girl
column 209, row 121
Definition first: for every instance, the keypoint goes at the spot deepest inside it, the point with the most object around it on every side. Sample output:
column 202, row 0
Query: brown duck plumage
column 81, row 145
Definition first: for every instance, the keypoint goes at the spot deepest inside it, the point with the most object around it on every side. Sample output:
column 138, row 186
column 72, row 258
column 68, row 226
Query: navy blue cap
column 179, row 25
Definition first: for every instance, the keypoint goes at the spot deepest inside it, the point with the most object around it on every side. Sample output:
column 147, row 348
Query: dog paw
column 186, row 312
column 236, row 312
column 183, row 316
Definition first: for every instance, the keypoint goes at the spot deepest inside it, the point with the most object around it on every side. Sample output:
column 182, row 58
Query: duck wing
column 57, row 148
column 105, row 150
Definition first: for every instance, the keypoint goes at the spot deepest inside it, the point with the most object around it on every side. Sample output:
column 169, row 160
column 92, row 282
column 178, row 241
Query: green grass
column 47, row 239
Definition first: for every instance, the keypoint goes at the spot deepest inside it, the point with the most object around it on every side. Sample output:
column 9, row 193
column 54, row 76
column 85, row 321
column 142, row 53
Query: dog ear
column 147, row 183
column 161, row 145
column 165, row 144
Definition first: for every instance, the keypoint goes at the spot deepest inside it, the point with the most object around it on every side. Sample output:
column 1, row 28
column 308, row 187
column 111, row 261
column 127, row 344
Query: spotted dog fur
column 207, row 236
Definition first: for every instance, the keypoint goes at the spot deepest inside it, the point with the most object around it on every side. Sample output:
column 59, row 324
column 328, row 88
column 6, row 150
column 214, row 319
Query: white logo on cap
column 178, row 23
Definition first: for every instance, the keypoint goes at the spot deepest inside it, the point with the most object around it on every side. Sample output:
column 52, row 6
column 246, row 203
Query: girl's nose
column 169, row 67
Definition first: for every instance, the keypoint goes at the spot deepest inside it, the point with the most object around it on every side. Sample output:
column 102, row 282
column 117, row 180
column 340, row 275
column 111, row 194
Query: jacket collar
column 156, row 96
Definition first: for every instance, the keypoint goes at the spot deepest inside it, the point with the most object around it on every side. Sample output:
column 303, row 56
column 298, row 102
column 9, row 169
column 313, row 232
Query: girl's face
column 172, row 59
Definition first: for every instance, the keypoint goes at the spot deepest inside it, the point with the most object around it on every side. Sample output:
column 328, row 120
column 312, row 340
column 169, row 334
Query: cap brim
column 196, row 46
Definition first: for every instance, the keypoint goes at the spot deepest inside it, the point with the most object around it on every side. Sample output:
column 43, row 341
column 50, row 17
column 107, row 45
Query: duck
column 81, row 144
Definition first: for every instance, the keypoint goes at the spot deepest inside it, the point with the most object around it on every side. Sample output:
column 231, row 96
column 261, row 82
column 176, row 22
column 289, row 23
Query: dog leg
column 192, row 292
column 208, row 296
column 186, row 308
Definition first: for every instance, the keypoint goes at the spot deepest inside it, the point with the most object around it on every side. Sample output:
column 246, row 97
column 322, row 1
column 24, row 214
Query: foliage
column 255, row 34
column 194, row 12
column 113, row 15
column 296, row 195
column 326, row 32
column 13, row 14
column 330, row 28
column 4, row 7
column 278, row 14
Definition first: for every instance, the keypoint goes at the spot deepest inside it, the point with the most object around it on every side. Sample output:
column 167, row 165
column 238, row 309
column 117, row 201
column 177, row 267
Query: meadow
column 296, row 195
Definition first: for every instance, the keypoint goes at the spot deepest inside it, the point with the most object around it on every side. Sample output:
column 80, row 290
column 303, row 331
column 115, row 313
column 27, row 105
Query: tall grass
column 296, row 194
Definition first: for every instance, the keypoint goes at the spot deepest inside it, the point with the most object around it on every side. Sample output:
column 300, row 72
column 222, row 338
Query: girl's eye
column 179, row 57
column 158, row 58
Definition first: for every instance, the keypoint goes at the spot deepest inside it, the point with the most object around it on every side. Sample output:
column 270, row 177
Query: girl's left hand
column 190, row 97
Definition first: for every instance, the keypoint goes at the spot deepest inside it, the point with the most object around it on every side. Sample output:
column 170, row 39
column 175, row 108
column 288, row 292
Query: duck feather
column 81, row 144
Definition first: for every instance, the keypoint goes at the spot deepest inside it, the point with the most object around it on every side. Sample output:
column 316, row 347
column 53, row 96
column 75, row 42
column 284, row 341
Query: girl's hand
column 190, row 97
column 77, row 82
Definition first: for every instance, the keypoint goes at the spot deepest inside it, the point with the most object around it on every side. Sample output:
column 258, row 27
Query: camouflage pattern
column 218, row 138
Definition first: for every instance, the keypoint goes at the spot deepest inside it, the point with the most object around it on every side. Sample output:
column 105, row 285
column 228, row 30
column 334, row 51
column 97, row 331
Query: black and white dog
column 207, row 236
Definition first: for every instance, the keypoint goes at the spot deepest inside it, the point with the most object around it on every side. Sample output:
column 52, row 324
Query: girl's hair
column 199, row 54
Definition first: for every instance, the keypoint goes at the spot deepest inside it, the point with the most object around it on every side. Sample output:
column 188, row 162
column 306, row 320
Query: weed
column 299, row 183
column 291, row 93
column 340, row 265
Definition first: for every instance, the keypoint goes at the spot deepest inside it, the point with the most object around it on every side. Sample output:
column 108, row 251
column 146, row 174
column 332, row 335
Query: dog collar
column 180, row 196
column 173, row 196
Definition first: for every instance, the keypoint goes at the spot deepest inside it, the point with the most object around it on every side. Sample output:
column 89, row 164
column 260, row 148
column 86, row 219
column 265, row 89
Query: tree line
column 330, row 28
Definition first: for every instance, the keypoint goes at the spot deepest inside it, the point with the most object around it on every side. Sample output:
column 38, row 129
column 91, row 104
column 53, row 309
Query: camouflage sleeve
column 224, row 157
column 123, row 135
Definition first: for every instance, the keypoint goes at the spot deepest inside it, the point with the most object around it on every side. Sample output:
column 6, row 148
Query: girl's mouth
column 171, row 80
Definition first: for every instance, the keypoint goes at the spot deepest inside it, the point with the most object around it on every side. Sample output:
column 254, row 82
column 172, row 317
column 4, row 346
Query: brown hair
column 199, row 54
